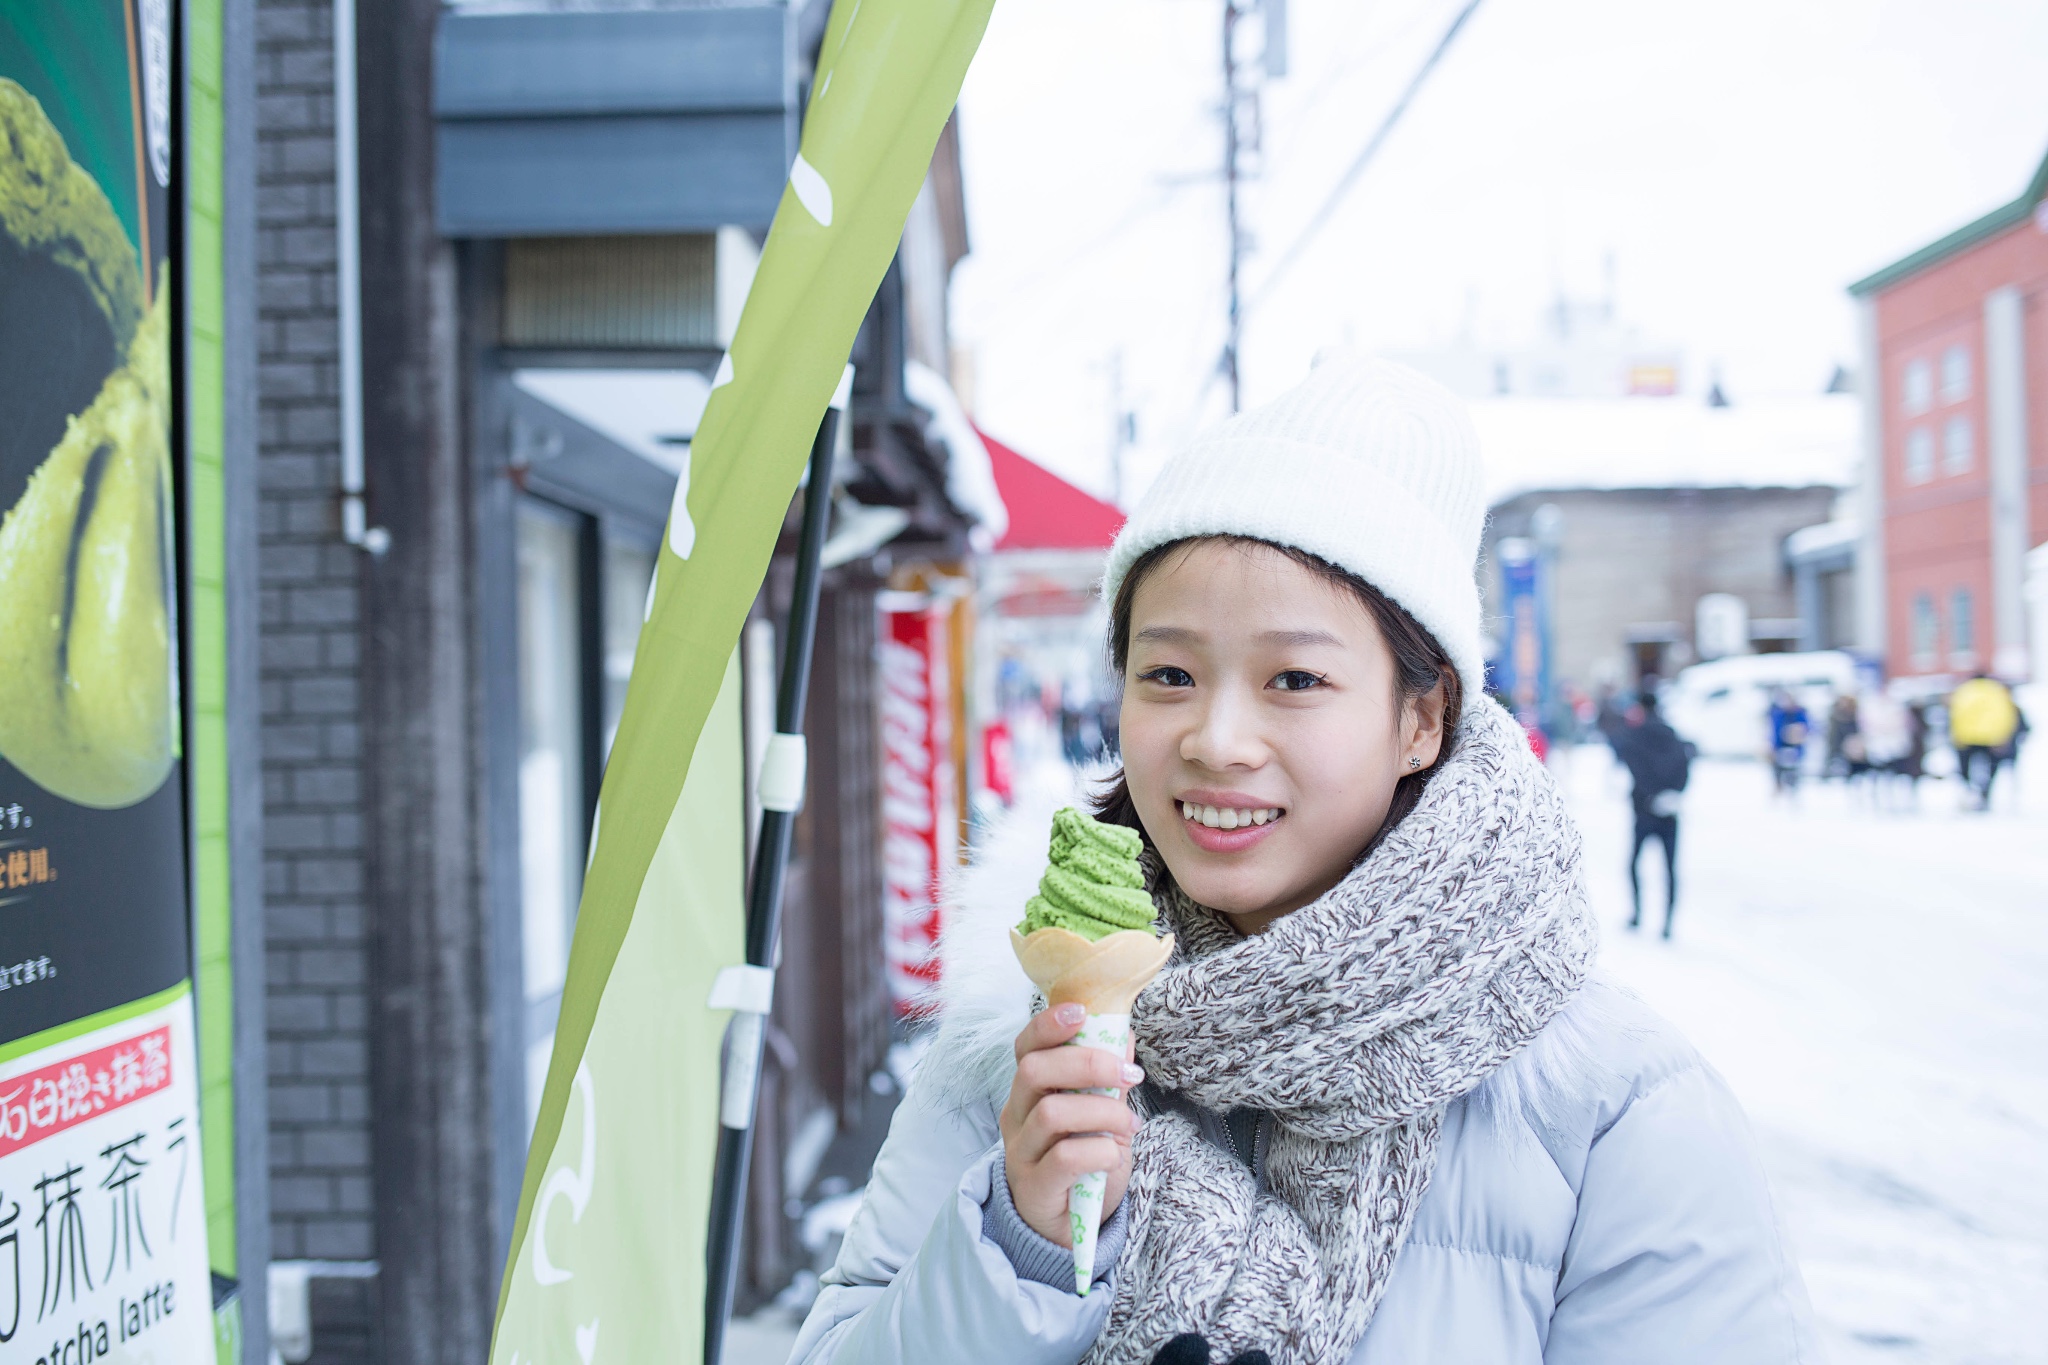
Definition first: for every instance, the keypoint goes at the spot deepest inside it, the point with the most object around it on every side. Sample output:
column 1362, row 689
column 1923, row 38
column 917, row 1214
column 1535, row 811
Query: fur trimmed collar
column 984, row 999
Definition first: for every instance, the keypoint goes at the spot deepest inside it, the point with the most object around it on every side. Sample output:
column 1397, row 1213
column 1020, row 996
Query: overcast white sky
column 1742, row 162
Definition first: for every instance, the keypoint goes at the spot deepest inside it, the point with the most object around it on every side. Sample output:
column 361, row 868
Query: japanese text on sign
column 43, row 1103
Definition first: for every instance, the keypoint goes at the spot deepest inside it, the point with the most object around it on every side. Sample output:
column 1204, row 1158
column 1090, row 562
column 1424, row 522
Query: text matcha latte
column 1093, row 885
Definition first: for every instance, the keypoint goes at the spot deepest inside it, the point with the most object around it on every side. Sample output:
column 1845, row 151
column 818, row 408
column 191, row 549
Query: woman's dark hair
column 1419, row 664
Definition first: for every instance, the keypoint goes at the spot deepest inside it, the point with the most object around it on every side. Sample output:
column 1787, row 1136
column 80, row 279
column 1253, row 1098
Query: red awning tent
column 1047, row 512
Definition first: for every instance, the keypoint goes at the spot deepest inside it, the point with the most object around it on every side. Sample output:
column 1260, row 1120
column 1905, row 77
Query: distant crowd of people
column 1876, row 738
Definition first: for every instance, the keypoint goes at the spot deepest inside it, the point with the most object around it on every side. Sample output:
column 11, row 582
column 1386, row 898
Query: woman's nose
column 1223, row 737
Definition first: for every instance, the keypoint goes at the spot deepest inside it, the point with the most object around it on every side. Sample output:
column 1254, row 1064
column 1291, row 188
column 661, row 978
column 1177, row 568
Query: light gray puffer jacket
column 1597, row 1202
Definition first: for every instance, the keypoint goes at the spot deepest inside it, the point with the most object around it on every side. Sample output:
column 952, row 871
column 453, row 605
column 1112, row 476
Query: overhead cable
column 1365, row 156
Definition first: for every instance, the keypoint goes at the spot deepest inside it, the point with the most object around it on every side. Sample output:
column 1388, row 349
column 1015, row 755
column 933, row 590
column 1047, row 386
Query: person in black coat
column 1658, row 763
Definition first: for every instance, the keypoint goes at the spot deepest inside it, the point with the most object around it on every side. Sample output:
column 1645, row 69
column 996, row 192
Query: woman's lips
column 1212, row 839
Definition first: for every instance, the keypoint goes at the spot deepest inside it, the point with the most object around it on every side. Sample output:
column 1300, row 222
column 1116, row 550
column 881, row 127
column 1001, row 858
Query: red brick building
column 1955, row 476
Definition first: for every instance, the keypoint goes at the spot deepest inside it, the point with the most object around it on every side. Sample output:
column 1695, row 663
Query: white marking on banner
column 572, row 1185
column 682, row 532
column 811, row 190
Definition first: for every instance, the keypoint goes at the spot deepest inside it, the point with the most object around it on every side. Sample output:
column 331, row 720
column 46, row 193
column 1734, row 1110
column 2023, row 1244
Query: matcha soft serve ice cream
column 1093, row 885
column 1087, row 939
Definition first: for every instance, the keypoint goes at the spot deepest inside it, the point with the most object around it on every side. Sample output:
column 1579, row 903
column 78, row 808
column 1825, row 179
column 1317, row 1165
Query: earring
column 1414, row 762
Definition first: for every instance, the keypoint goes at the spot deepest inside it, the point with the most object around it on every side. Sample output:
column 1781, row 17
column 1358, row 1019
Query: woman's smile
column 1226, row 822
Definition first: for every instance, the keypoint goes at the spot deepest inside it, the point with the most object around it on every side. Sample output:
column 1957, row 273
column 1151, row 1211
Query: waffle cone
column 1104, row 975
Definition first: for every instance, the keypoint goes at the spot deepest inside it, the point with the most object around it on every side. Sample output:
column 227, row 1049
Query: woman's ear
column 1422, row 729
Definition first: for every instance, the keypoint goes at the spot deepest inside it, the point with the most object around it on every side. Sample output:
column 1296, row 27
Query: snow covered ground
column 1874, row 985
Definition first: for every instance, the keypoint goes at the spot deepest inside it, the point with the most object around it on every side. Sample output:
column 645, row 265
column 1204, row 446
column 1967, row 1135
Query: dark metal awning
column 638, row 121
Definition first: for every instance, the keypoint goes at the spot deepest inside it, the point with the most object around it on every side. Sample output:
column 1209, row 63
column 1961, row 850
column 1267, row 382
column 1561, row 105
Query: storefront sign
column 919, row 820
column 1524, row 661
column 102, row 1222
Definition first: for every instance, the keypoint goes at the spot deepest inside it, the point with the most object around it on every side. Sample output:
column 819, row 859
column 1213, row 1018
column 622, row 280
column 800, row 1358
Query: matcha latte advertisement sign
column 92, row 839
column 103, row 1251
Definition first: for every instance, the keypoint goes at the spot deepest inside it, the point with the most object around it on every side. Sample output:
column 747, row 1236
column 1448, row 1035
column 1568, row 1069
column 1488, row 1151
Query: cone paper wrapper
column 1104, row 977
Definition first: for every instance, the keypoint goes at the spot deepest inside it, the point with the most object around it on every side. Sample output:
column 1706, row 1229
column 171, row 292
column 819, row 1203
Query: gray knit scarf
column 1353, row 1021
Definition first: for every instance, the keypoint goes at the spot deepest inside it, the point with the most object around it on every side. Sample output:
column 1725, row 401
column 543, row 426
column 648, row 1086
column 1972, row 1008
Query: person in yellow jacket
column 1984, row 724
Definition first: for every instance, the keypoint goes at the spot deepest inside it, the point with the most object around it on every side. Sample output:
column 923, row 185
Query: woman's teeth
column 1229, row 817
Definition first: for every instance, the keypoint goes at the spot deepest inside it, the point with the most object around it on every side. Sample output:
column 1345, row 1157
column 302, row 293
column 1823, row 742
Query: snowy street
column 1871, row 985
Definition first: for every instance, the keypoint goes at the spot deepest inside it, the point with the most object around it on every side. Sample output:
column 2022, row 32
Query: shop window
column 582, row 596
column 1957, row 440
column 1918, row 389
column 1926, row 631
column 551, row 763
column 1919, row 455
column 1962, row 625
column 628, row 572
column 1955, row 374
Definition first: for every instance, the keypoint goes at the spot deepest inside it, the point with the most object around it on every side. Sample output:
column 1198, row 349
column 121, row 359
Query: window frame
column 1918, row 456
column 1950, row 463
column 1916, row 386
column 1956, row 373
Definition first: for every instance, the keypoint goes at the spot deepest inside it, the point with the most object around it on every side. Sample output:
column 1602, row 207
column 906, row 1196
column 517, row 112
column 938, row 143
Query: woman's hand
column 1050, row 1138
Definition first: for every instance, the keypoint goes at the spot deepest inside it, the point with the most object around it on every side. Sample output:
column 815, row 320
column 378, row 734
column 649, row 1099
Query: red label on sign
column 43, row 1103
column 917, row 797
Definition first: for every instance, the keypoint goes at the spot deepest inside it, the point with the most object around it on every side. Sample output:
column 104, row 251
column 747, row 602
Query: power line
column 1365, row 155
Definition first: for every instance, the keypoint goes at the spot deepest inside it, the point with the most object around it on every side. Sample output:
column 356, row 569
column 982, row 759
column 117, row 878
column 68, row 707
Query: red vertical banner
column 919, row 823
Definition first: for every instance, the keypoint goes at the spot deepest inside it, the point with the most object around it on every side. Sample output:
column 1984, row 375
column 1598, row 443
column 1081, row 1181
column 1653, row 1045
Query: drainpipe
column 348, row 274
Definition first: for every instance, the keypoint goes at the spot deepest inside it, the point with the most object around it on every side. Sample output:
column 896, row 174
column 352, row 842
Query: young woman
column 1377, row 1113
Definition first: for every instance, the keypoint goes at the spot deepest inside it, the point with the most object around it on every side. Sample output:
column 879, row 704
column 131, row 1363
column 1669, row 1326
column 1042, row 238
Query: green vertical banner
column 607, row 1258
column 103, row 1214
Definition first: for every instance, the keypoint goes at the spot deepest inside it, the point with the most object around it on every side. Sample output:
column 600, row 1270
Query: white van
column 1723, row 707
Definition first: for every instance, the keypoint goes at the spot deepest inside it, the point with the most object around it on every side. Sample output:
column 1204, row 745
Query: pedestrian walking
column 1658, row 763
column 1913, row 766
column 1789, row 726
column 1984, row 726
column 1887, row 728
column 1379, row 1111
column 1846, row 748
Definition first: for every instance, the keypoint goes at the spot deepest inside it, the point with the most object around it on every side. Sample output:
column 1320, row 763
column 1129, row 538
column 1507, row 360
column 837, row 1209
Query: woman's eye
column 1297, row 680
column 1168, row 676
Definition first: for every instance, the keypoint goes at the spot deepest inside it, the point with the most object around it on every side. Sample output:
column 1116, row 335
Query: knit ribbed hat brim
column 1366, row 464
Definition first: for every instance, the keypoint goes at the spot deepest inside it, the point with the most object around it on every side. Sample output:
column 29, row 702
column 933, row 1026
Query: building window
column 628, row 571
column 1919, row 387
column 1956, row 445
column 1926, row 631
column 1962, row 625
column 582, row 596
column 1919, row 455
column 551, row 764
column 1955, row 374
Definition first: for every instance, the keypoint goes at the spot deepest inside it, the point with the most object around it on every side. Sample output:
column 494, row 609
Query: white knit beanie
column 1366, row 464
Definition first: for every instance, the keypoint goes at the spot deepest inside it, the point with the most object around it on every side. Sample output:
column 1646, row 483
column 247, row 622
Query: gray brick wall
column 313, row 870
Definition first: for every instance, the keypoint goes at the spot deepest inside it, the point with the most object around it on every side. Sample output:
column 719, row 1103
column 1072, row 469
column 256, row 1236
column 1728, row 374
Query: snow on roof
column 1559, row 444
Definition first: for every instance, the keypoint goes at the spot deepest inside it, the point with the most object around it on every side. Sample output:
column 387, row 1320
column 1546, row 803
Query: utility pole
column 1122, row 430
column 1241, row 133
column 1232, row 131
